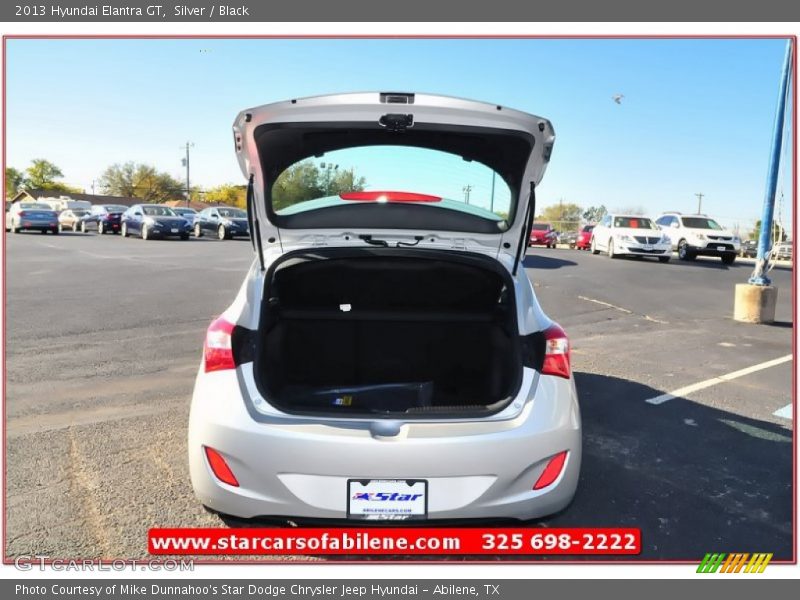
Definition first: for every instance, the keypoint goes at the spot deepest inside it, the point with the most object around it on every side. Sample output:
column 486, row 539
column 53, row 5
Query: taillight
column 217, row 350
column 556, row 354
column 551, row 471
column 23, row 213
column 219, row 467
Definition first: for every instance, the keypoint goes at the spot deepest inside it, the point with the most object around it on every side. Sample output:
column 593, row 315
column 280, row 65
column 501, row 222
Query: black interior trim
column 281, row 145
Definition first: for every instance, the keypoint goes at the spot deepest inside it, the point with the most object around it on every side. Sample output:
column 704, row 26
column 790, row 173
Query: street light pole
column 491, row 201
column 185, row 162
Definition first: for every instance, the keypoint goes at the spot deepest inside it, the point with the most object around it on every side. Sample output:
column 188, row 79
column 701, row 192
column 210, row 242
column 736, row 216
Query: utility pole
column 699, row 203
column 491, row 201
column 466, row 189
column 185, row 162
column 93, row 181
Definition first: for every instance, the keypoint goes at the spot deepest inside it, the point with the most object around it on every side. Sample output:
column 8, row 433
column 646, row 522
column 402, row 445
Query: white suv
column 698, row 235
column 386, row 357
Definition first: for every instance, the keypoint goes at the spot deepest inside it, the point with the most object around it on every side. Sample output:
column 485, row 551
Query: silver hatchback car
column 386, row 358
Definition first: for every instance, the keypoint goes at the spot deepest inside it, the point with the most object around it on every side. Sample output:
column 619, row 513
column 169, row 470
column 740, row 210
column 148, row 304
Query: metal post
column 699, row 203
column 491, row 201
column 185, row 162
column 759, row 276
column 188, row 189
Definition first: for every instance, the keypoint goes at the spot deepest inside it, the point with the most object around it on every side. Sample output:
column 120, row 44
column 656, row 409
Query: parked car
column 104, row 218
column 224, row 222
column 153, row 220
column 584, row 240
column 71, row 218
column 630, row 235
column 543, row 234
column 698, row 235
column 782, row 251
column 749, row 249
column 187, row 213
column 568, row 238
column 31, row 216
column 364, row 371
column 62, row 203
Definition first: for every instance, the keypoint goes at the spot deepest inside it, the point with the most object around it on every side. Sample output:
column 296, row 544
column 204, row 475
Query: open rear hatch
column 427, row 170
column 381, row 218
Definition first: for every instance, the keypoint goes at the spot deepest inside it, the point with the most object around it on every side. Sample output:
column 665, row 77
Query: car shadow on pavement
column 694, row 478
column 540, row 261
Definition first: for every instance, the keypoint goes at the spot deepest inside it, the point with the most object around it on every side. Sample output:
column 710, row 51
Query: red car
column 543, row 234
column 584, row 241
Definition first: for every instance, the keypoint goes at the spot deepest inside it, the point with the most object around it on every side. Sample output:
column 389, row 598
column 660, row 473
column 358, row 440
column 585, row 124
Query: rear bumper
column 298, row 467
column 37, row 225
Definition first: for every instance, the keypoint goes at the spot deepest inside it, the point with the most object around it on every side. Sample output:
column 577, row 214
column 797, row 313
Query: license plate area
column 174, row 230
column 721, row 248
column 387, row 499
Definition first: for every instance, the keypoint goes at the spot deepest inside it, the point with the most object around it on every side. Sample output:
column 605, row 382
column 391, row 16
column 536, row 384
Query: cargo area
column 388, row 332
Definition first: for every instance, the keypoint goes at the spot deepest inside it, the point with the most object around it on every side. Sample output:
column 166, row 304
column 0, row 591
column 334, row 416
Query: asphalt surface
column 104, row 338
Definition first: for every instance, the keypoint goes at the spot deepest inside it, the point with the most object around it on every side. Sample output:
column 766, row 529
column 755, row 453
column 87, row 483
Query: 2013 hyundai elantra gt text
column 386, row 357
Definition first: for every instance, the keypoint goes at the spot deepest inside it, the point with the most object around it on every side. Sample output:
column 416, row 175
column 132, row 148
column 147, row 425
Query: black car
column 749, row 249
column 569, row 238
column 154, row 220
column 104, row 218
column 223, row 221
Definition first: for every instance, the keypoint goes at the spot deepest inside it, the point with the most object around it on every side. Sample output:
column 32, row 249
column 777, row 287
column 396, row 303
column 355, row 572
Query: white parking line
column 607, row 304
column 621, row 309
column 716, row 380
column 785, row 412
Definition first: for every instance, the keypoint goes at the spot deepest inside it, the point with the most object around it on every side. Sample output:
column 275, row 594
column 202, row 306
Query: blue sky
column 696, row 117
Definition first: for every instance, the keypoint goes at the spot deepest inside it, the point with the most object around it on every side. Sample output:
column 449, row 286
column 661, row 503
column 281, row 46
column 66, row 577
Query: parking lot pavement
column 104, row 338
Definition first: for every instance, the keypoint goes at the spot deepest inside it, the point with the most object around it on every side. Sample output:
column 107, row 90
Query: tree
column 228, row 193
column 42, row 174
column 14, row 179
column 778, row 233
column 565, row 216
column 140, row 181
column 305, row 181
column 594, row 214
